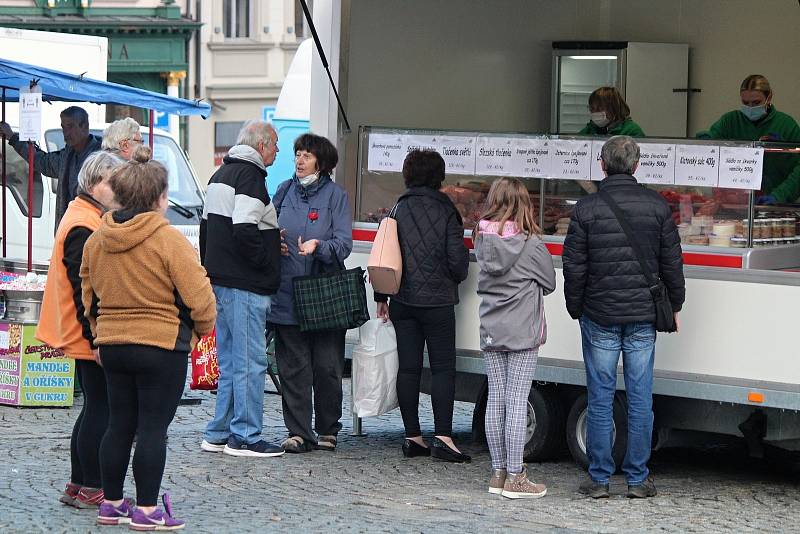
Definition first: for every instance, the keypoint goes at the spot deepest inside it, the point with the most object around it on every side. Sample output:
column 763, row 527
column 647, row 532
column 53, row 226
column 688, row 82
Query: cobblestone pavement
column 367, row 486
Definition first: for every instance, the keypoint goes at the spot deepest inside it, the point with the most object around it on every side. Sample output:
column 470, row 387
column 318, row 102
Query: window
column 17, row 179
column 224, row 138
column 301, row 28
column 236, row 18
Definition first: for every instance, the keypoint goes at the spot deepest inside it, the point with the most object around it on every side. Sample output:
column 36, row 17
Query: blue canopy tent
column 62, row 86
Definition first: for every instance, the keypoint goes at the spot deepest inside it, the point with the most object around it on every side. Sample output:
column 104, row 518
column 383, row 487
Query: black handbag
column 665, row 317
column 335, row 300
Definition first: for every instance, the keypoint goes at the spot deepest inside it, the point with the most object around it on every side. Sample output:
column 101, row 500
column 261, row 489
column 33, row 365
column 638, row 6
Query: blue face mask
column 754, row 113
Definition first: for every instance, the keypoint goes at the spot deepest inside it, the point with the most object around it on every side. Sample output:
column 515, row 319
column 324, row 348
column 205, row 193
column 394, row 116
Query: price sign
column 30, row 114
column 458, row 154
column 656, row 164
column 740, row 168
column 596, row 170
column 532, row 158
column 572, row 160
column 494, row 156
column 386, row 152
column 421, row 142
column 697, row 165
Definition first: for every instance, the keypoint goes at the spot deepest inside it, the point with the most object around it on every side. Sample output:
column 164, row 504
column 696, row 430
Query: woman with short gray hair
column 122, row 137
column 62, row 324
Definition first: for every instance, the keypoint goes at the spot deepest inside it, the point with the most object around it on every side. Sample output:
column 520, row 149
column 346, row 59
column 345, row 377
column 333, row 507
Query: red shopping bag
column 205, row 369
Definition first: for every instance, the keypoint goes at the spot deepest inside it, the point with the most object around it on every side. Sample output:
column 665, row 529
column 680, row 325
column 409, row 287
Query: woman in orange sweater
column 155, row 301
column 62, row 325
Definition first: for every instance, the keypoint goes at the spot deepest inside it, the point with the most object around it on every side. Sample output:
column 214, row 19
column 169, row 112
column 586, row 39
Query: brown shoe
column 497, row 481
column 519, row 487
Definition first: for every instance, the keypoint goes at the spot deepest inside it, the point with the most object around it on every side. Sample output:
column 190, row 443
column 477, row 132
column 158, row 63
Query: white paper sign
column 386, row 152
column 458, row 154
column 740, row 168
column 697, row 165
column 494, row 156
column 656, row 164
column 4, row 339
column 531, row 158
column 30, row 114
column 596, row 170
column 572, row 160
column 421, row 142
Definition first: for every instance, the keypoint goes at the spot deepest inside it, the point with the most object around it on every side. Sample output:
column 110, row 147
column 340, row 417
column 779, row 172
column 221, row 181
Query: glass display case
column 687, row 173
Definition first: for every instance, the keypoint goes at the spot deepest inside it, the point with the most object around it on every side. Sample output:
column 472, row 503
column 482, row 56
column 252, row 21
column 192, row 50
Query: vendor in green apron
column 758, row 120
column 610, row 115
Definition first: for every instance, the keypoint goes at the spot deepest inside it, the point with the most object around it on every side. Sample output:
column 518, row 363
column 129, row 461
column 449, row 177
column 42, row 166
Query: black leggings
column 416, row 327
column 144, row 386
column 90, row 426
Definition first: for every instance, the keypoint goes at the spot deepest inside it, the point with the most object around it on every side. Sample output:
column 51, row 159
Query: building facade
column 239, row 61
column 148, row 40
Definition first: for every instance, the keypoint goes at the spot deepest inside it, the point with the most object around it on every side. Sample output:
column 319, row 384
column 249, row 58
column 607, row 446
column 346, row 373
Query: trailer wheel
column 577, row 424
column 544, row 430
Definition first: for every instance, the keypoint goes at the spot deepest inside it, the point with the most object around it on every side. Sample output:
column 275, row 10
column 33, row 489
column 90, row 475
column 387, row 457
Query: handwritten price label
column 571, row 159
column 697, row 165
column 741, row 168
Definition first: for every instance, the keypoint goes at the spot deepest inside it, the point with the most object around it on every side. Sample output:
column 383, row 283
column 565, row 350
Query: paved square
column 367, row 486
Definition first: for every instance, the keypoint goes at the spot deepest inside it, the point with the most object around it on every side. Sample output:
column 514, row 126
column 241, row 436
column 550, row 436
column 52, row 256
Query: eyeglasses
column 136, row 140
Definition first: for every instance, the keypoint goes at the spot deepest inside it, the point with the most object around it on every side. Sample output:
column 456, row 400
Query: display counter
column 712, row 187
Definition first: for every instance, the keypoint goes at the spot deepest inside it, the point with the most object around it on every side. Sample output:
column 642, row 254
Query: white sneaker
column 212, row 447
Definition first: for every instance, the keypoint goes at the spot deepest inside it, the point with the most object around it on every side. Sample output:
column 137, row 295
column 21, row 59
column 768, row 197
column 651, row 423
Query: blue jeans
column 601, row 348
column 242, row 356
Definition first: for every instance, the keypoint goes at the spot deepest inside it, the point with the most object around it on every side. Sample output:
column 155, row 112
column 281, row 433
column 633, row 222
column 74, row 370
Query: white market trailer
column 478, row 67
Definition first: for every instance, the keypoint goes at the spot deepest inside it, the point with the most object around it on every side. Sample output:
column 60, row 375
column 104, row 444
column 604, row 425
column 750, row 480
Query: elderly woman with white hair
column 62, row 324
column 122, row 137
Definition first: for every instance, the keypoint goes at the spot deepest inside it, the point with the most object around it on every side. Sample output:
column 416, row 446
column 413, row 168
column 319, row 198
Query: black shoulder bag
column 665, row 318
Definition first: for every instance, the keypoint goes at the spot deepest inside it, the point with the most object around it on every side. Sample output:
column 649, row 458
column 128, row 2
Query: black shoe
column 411, row 449
column 593, row 489
column 441, row 451
column 643, row 490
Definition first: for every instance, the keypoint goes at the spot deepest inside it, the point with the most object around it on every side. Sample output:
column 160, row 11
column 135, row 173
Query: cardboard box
column 33, row 373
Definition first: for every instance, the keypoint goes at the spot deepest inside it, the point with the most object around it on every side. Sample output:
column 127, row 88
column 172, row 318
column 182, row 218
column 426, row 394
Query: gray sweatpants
column 510, row 376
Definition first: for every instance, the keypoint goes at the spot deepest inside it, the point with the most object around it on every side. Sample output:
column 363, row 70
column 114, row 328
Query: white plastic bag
column 375, row 366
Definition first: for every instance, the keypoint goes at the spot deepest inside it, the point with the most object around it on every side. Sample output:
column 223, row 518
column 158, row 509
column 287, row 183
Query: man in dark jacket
column 606, row 290
column 240, row 246
column 63, row 164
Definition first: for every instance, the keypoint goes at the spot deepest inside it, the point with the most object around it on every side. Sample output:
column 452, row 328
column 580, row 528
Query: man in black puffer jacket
column 435, row 261
column 606, row 290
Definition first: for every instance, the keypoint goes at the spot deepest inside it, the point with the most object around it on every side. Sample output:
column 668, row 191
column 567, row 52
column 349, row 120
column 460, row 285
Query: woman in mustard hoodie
column 154, row 302
column 62, row 325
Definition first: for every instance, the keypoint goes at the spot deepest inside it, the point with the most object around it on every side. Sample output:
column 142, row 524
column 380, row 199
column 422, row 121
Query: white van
column 186, row 196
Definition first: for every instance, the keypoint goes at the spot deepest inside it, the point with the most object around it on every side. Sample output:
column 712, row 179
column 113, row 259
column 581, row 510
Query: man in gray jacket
column 63, row 164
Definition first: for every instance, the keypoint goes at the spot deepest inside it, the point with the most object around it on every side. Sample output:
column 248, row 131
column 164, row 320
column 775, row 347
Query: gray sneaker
column 497, row 481
column 593, row 489
column 643, row 490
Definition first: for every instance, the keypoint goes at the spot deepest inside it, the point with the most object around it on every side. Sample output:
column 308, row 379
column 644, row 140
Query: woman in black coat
column 435, row 261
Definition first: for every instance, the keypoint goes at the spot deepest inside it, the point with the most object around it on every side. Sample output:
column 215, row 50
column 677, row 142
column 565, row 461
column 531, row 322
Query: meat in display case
column 687, row 173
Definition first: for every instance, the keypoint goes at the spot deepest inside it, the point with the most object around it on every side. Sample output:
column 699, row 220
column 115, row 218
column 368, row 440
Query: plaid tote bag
column 334, row 300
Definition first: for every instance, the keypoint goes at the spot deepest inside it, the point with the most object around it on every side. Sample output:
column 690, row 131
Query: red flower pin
column 313, row 215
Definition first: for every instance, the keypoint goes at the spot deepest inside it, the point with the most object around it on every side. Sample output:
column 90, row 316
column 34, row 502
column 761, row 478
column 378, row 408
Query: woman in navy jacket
column 316, row 223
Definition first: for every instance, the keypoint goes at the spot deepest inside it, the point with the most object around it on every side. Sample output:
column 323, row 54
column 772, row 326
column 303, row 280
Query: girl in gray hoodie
column 516, row 271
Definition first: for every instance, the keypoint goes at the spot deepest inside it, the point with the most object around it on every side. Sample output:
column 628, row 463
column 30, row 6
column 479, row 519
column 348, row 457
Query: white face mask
column 308, row 180
column 599, row 119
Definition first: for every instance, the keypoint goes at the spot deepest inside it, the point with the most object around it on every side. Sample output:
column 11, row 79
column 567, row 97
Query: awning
column 61, row 86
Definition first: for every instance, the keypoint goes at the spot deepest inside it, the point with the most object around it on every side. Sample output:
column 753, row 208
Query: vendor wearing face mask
column 758, row 120
column 610, row 115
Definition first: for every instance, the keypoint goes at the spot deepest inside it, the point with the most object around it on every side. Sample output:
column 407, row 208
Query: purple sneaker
column 108, row 514
column 157, row 520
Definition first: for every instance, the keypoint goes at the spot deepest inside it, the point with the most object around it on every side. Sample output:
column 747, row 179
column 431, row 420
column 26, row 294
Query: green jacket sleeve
column 789, row 190
column 586, row 130
column 47, row 163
